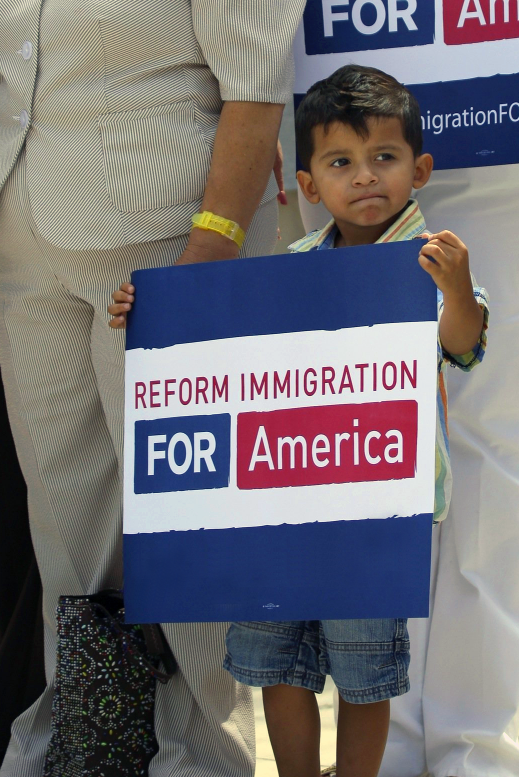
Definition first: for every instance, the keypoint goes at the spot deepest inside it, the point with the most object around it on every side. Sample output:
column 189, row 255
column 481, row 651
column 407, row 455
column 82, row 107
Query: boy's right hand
column 123, row 298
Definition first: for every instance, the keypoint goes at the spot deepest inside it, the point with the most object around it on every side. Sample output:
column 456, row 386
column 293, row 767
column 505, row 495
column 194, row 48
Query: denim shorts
column 367, row 659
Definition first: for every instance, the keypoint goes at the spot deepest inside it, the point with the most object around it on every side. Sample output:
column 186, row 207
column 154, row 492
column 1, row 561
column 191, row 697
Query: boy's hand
column 203, row 246
column 446, row 259
column 123, row 298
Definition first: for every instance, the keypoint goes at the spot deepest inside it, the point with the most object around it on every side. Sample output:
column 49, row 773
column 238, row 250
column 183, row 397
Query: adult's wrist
column 206, row 246
column 211, row 222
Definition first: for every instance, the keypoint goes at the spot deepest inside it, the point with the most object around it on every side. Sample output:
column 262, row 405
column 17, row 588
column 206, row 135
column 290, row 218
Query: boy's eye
column 384, row 157
column 341, row 162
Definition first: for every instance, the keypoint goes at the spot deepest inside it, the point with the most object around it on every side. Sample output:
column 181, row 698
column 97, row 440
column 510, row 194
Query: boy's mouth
column 372, row 196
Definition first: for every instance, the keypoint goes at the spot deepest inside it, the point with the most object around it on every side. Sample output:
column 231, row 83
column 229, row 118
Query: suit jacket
column 117, row 102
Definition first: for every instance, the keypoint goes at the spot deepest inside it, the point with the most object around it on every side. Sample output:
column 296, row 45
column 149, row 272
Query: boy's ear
column 422, row 171
column 307, row 186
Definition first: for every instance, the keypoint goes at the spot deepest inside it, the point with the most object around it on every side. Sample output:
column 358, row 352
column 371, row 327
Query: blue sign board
column 271, row 427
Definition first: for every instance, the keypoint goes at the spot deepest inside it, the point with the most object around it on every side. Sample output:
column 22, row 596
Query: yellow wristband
column 230, row 229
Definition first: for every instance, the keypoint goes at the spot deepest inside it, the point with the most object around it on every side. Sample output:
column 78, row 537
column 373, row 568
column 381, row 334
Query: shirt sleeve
column 468, row 361
column 248, row 46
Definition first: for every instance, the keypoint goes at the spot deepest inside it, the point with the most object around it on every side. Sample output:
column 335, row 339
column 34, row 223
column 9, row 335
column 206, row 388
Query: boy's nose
column 364, row 176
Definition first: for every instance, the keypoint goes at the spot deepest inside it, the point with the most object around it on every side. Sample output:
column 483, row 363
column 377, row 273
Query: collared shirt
column 408, row 225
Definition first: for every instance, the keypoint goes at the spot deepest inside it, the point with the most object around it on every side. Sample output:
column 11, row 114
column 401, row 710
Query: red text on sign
column 310, row 446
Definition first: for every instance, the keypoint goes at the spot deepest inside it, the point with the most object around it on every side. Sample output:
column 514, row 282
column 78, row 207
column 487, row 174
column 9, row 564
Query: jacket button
column 26, row 50
column 24, row 119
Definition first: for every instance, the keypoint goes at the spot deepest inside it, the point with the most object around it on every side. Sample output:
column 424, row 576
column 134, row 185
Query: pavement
column 265, row 764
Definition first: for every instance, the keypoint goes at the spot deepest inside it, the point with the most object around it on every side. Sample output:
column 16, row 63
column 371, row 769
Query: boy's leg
column 361, row 738
column 368, row 661
column 282, row 657
column 294, row 727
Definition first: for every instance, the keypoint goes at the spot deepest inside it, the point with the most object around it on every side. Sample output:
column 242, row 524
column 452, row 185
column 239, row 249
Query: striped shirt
column 410, row 224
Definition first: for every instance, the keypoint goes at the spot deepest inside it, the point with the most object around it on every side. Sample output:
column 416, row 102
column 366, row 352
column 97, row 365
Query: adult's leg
column 22, row 677
column 471, row 689
column 404, row 755
column 470, row 697
column 63, row 443
column 204, row 719
column 64, row 400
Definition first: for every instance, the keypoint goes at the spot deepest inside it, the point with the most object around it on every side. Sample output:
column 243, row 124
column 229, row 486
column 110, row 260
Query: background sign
column 459, row 57
column 279, row 442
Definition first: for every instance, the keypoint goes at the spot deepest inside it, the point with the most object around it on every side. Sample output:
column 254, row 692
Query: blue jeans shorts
column 367, row 659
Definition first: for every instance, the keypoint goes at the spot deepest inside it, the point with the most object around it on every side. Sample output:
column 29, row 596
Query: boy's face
column 363, row 182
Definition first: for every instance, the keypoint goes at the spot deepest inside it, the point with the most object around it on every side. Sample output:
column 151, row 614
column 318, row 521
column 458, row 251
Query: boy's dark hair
column 351, row 95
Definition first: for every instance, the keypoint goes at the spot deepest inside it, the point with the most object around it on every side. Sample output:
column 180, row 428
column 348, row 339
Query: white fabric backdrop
column 467, row 721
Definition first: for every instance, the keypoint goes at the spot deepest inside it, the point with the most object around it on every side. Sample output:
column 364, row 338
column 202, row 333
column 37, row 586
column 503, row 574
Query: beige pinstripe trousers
column 63, row 373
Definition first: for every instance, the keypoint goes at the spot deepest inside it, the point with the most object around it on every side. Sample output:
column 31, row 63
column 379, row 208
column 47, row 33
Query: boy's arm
column 446, row 259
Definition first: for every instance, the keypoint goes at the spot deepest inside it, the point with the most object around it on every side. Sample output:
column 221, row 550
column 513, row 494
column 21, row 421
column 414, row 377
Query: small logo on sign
column 270, row 606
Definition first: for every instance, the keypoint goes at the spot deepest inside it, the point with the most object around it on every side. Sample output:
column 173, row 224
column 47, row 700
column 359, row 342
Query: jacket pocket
column 154, row 158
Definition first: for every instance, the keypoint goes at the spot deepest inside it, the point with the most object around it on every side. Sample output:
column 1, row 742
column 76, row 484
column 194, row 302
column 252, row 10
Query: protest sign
column 279, row 438
column 459, row 58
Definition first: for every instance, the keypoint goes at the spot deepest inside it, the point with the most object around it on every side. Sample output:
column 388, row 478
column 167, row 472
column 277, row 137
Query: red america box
column 474, row 21
column 331, row 444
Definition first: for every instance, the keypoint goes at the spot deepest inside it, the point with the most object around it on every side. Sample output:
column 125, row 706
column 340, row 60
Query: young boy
column 359, row 138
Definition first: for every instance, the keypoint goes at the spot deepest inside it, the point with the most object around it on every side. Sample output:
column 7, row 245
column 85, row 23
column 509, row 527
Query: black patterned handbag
column 103, row 706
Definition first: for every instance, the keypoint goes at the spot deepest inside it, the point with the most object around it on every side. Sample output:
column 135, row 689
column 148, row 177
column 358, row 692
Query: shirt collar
column 408, row 225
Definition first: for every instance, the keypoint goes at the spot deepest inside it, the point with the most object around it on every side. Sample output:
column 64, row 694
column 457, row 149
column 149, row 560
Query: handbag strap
column 156, row 643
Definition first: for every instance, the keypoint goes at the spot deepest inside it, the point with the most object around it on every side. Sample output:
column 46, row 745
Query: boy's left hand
column 449, row 267
column 446, row 259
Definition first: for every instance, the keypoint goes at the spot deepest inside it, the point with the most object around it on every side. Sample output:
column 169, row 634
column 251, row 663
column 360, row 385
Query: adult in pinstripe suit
column 119, row 119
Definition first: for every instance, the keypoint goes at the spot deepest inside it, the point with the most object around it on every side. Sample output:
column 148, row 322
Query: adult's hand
column 207, row 246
